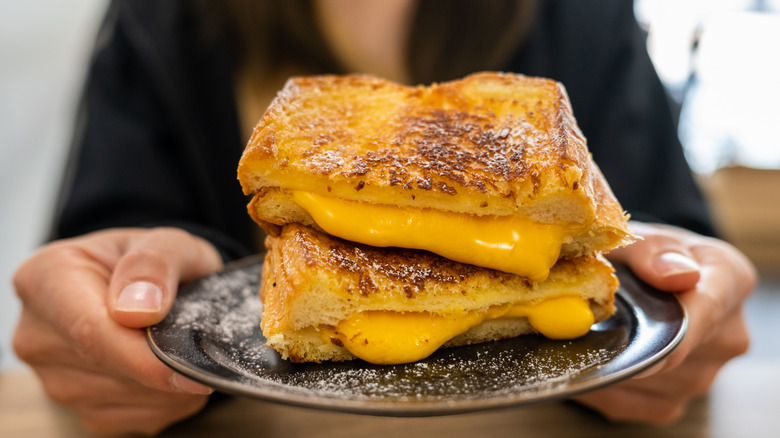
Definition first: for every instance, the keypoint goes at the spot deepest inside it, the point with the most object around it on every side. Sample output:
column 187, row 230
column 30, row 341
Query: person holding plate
column 174, row 89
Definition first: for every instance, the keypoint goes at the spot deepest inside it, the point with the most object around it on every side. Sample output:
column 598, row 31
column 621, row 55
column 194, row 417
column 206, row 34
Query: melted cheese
column 506, row 243
column 384, row 337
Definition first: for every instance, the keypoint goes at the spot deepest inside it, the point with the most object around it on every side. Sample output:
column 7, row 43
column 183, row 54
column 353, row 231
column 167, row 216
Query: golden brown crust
column 439, row 138
column 490, row 143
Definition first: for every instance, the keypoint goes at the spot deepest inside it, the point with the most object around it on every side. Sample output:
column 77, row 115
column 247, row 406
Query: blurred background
column 44, row 48
column 720, row 60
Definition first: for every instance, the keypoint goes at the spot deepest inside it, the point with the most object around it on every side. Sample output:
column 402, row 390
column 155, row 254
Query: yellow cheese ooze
column 505, row 243
column 392, row 338
column 383, row 337
column 565, row 317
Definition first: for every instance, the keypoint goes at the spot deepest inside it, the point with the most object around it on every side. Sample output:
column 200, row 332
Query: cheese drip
column 506, row 243
column 384, row 337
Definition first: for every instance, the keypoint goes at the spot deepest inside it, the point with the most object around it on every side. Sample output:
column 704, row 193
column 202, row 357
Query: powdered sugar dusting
column 452, row 375
column 214, row 327
column 222, row 309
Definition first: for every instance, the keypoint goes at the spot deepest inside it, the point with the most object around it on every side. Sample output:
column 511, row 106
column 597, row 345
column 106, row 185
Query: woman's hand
column 84, row 302
column 712, row 279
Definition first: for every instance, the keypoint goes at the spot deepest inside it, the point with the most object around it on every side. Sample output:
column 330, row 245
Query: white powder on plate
column 223, row 312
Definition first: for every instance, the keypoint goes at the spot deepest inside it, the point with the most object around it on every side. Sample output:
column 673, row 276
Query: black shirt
column 158, row 137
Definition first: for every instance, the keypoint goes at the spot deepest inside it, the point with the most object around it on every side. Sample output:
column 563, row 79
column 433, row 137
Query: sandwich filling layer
column 384, row 337
column 506, row 243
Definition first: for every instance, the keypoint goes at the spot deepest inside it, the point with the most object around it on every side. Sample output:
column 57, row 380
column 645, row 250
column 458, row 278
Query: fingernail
column 674, row 263
column 141, row 296
column 183, row 384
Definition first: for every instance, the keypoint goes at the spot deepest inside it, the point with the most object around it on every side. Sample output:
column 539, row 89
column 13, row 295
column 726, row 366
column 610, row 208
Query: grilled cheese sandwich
column 489, row 173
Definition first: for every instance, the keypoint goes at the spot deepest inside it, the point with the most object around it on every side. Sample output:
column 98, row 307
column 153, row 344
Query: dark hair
column 269, row 33
column 448, row 38
column 451, row 38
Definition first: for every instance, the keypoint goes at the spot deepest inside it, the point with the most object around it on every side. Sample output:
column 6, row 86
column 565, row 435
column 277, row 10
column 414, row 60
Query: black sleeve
column 597, row 50
column 157, row 138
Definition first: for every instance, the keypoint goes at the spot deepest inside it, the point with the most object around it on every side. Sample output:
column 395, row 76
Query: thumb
column 146, row 278
column 661, row 258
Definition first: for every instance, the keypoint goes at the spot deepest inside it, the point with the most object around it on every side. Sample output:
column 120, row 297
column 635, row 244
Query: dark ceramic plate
column 212, row 335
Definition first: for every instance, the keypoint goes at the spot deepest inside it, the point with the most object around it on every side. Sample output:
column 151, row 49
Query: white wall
column 44, row 47
column 721, row 123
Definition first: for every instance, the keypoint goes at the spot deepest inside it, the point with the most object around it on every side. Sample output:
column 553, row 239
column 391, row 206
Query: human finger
column 661, row 396
column 660, row 258
column 659, row 399
column 632, row 405
column 82, row 389
column 716, row 326
column 144, row 419
column 145, row 279
column 38, row 344
column 70, row 298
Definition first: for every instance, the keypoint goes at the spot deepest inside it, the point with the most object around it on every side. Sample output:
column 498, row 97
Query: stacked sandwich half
column 403, row 219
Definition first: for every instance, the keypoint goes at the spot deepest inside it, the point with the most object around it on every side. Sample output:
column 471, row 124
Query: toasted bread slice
column 490, row 144
column 312, row 283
